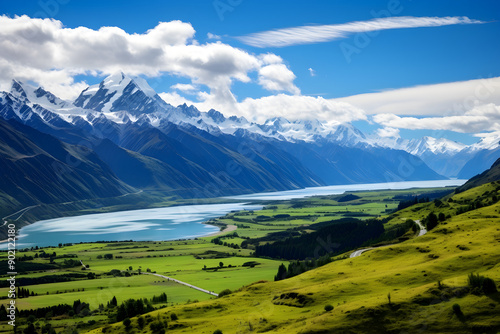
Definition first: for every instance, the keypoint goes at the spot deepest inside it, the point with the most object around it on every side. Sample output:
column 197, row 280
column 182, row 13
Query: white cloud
column 312, row 72
column 270, row 58
column 292, row 107
column 299, row 107
column 278, row 78
column 44, row 51
column 388, row 132
column 454, row 98
column 326, row 33
column 174, row 99
column 186, row 88
column 213, row 36
column 479, row 119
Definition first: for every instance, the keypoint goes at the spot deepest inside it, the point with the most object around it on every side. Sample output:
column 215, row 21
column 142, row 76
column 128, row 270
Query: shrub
column 126, row 322
column 482, row 284
column 141, row 322
column 217, row 331
column 224, row 292
column 458, row 312
column 174, row 317
column 489, row 286
column 328, row 308
column 157, row 327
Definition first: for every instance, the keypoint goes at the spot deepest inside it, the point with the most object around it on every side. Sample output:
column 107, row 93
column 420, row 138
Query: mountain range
column 119, row 136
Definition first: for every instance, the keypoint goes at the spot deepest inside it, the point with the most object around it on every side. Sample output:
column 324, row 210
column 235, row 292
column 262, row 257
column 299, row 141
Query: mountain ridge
column 150, row 144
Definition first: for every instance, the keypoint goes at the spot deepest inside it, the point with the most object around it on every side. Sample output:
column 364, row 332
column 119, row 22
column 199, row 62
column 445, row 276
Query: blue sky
column 353, row 65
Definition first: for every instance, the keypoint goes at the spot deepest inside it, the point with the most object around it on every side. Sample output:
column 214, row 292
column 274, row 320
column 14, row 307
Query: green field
column 424, row 276
column 405, row 270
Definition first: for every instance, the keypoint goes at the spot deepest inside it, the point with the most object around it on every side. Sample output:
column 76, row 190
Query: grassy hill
column 490, row 175
column 424, row 277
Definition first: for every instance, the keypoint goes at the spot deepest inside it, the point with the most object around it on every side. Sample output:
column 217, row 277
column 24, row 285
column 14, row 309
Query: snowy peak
column 119, row 92
column 18, row 90
column 434, row 145
column 313, row 130
column 348, row 135
column 189, row 111
column 216, row 116
column 33, row 95
column 488, row 141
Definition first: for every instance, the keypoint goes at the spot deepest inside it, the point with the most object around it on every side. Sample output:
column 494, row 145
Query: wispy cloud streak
column 326, row 33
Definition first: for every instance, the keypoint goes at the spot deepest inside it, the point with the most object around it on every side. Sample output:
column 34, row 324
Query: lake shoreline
column 149, row 224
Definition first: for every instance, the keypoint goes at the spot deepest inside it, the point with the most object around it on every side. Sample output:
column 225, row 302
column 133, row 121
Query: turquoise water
column 340, row 189
column 172, row 223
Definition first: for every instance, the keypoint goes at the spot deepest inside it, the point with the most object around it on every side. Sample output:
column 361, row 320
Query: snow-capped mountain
column 490, row 142
column 427, row 145
column 119, row 92
column 121, row 99
column 37, row 95
column 120, row 103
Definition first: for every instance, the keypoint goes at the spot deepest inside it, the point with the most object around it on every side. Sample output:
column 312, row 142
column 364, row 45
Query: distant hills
column 120, row 136
column 38, row 168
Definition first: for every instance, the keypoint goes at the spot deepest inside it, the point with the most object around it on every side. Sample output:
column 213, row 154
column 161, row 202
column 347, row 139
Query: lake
column 171, row 223
column 177, row 222
column 340, row 189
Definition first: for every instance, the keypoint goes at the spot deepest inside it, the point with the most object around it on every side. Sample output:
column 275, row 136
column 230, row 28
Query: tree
column 121, row 314
column 3, row 313
column 281, row 273
column 221, row 264
column 328, row 308
column 217, row 331
column 431, row 221
column 108, row 256
column 30, row 329
column 174, row 317
column 389, row 298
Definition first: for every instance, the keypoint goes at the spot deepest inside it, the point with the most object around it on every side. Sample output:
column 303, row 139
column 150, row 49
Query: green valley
column 416, row 273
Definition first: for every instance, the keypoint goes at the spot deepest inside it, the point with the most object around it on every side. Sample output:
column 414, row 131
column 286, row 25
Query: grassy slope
column 358, row 287
column 177, row 261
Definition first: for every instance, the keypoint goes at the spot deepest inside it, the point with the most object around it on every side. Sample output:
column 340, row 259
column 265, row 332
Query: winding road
column 21, row 212
column 361, row 251
column 184, row 283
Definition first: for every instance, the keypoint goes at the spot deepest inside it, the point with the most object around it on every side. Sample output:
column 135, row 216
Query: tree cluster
column 133, row 307
column 24, row 293
column 334, row 238
column 415, row 200
column 298, row 267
